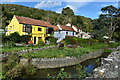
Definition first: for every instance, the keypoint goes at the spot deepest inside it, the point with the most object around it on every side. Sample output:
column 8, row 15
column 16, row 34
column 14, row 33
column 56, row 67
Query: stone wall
column 4, row 55
column 61, row 62
column 110, row 66
column 53, row 62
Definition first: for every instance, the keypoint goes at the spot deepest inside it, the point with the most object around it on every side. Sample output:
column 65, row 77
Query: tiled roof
column 55, row 28
column 66, row 28
column 26, row 20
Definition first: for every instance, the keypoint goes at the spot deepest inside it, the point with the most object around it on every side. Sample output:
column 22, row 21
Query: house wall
column 14, row 26
column 17, row 27
column 62, row 34
column 75, row 28
column 37, row 34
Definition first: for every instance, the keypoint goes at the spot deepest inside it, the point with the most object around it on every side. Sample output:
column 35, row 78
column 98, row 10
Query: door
column 34, row 40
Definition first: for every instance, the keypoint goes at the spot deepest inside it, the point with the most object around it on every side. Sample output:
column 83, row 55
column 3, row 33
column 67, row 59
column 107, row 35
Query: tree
column 108, row 22
column 67, row 11
column 109, row 19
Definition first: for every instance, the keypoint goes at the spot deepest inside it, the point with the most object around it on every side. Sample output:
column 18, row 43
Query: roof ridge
column 31, row 18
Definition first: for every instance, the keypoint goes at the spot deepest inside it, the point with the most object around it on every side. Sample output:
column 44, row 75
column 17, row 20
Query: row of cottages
column 36, row 29
column 64, row 31
column 69, row 30
column 42, row 30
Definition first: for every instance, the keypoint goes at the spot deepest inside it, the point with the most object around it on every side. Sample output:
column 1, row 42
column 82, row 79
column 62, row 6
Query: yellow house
column 36, row 29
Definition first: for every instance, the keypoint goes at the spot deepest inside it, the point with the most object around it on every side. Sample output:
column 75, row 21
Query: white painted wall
column 62, row 34
column 75, row 28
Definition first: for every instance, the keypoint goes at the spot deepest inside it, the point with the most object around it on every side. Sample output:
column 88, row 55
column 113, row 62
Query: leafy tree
column 109, row 19
column 67, row 11
column 108, row 22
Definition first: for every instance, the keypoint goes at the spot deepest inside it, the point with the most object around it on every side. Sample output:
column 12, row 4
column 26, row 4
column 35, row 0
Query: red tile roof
column 66, row 28
column 55, row 28
column 26, row 20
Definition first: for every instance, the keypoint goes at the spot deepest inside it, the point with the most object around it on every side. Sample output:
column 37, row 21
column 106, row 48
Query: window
column 73, row 33
column 23, row 28
column 39, row 38
column 66, row 33
column 10, row 27
column 49, row 30
column 39, row 29
column 27, row 28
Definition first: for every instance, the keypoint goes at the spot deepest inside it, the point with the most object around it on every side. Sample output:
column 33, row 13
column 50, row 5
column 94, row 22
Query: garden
column 73, row 47
column 84, row 46
column 15, row 42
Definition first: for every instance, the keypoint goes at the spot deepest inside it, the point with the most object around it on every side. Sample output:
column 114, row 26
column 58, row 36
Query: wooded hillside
column 8, row 10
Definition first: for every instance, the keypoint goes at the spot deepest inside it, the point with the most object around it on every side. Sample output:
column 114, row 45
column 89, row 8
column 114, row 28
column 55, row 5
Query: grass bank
column 68, row 52
column 18, row 48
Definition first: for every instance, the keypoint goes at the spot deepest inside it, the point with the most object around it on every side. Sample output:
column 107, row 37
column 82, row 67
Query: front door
column 34, row 40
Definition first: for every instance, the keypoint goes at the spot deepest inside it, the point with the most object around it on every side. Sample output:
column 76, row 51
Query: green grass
column 66, row 52
column 19, row 48
column 56, row 53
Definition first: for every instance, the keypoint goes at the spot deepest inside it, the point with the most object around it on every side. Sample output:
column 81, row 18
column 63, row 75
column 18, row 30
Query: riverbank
column 42, row 63
column 110, row 66
column 13, row 65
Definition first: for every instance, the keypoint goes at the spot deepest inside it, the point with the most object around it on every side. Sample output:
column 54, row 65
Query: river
column 89, row 64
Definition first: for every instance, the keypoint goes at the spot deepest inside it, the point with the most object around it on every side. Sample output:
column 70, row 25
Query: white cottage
column 79, row 32
column 61, row 31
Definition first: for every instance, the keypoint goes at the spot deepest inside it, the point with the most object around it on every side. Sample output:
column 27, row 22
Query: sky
column 87, row 8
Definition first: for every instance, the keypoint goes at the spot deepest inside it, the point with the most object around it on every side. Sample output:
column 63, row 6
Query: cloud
column 70, row 6
column 8, row 0
column 62, row 0
column 49, row 3
column 107, row 4
column 73, row 8
column 100, row 12
column 59, row 10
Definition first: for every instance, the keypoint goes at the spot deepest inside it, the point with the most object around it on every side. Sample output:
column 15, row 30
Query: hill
column 8, row 10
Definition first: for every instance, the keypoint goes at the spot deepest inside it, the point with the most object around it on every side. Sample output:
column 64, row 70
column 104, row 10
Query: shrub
column 113, row 45
column 53, row 40
column 81, row 71
column 15, row 37
column 5, row 38
column 80, row 41
column 30, row 45
column 62, row 75
column 70, row 40
column 9, row 44
column 100, row 39
column 25, row 38
column 107, row 51
column 40, row 43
